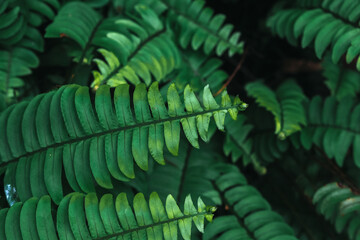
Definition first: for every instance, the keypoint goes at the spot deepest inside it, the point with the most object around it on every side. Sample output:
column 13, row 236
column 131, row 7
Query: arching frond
column 333, row 25
column 251, row 215
column 199, row 27
column 285, row 104
column 339, row 205
column 333, row 126
column 82, row 216
column 62, row 128
column 342, row 82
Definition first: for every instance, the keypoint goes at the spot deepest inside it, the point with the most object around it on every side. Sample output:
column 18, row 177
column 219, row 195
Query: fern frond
column 342, row 82
column 200, row 27
column 150, row 62
column 252, row 213
column 333, row 126
column 82, row 216
column 240, row 145
column 18, row 37
column 198, row 70
column 94, row 145
column 285, row 104
column 332, row 25
column 338, row 204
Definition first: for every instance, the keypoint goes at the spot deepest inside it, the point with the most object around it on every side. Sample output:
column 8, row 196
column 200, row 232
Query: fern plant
column 113, row 113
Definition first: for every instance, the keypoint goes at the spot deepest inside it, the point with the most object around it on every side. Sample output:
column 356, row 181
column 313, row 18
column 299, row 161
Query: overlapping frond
column 333, row 25
column 285, row 104
column 82, row 216
column 198, row 70
column 19, row 37
column 252, row 217
column 133, row 47
column 339, row 205
column 333, row 126
column 240, row 145
column 199, row 27
column 62, row 128
column 191, row 172
column 341, row 81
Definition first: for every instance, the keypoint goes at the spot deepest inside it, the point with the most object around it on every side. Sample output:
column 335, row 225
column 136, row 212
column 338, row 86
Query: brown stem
column 238, row 67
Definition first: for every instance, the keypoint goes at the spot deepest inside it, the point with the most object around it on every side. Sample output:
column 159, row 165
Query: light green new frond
column 251, row 218
column 342, row 82
column 333, row 126
column 332, row 25
column 152, row 61
column 339, row 205
column 199, row 27
column 61, row 130
column 285, row 104
column 82, row 216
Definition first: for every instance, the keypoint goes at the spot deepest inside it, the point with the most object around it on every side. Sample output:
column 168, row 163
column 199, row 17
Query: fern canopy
column 94, row 145
column 82, row 216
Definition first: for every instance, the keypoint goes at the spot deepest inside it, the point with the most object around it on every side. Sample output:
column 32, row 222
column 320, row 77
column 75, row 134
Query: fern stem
column 116, row 130
column 337, row 172
column 183, row 173
column 237, row 69
column 152, row 225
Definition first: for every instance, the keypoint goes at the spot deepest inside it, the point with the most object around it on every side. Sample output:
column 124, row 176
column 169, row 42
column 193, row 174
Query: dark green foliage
column 340, row 205
column 104, row 102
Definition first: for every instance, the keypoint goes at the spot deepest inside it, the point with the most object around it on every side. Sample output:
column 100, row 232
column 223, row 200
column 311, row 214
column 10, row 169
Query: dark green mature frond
column 252, row 214
column 339, row 205
column 240, row 144
column 285, row 104
column 14, row 64
column 18, row 38
column 82, row 216
column 341, row 81
column 200, row 27
column 62, row 128
column 332, row 25
column 333, row 126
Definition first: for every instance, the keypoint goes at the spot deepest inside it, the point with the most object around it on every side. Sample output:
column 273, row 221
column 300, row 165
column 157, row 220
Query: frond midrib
column 138, row 48
column 89, row 42
column 116, row 130
column 152, row 225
